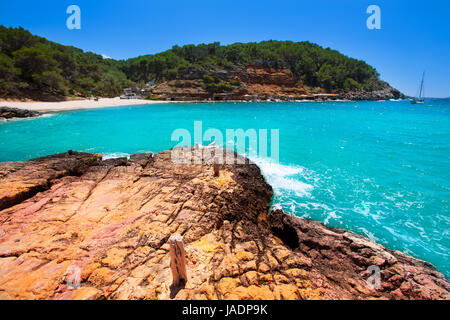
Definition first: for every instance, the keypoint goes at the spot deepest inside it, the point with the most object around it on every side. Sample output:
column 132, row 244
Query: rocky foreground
column 112, row 219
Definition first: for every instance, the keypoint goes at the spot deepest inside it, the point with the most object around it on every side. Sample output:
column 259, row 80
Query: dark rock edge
column 10, row 113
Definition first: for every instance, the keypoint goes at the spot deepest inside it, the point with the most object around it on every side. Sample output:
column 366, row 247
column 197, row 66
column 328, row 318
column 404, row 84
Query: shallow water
column 378, row 168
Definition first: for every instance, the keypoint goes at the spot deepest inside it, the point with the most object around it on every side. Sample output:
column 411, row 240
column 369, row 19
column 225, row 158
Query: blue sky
column 414, row 35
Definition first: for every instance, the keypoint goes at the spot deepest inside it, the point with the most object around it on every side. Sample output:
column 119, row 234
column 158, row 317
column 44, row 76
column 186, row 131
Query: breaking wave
column 283, row 177
column 115, row 155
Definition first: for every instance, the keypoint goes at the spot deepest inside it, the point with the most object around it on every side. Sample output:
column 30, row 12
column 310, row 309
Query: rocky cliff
column 111, row 221
column 256, row 81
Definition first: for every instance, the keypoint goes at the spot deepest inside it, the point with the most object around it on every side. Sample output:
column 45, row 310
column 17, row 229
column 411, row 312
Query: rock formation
column 75, row 227
column 9, row 113
column 257, row 81
column 385, row 91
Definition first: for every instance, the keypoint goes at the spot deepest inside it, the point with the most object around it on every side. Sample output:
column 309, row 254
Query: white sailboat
column 420, row 99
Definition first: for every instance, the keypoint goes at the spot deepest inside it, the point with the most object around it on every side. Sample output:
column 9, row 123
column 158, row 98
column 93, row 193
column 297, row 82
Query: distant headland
column 37, row 69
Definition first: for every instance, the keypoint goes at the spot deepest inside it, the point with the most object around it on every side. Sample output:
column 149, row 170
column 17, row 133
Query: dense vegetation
column 31, row 66
column 30, row 63
column 314, row 65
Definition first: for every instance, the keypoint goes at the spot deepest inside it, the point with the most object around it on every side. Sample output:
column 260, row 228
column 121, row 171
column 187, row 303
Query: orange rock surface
column 111, row 221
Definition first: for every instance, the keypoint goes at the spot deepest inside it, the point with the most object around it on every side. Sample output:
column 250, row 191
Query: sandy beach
column 76, row 104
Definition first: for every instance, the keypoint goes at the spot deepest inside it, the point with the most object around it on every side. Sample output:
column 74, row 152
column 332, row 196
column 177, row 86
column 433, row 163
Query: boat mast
column 421, row 85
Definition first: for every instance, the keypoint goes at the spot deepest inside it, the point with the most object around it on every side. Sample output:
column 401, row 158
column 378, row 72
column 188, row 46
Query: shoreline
column 86, row 104
column 77, row 104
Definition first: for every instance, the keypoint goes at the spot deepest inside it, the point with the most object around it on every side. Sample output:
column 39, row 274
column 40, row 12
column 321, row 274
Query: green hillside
column 32, row 66
column 314, row 65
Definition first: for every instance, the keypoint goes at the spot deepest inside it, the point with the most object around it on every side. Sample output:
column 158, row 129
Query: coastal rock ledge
column 10, row 113
column 111, row 221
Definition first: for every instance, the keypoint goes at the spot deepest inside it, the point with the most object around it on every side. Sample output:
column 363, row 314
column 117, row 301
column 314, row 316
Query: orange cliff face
column 268, row 82
column 253, row 82
column 256, row 81
column 111, row 220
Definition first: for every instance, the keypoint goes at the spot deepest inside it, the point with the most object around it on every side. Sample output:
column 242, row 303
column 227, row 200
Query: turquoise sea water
column 381, row 169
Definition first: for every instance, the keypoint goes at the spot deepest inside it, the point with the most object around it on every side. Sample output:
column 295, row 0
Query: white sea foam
column 277, row 206
column 47, row 115
column 17, row 119
column 283, row 177
column 115, row 155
